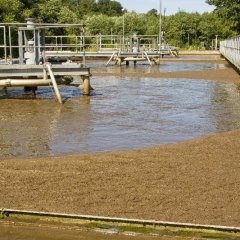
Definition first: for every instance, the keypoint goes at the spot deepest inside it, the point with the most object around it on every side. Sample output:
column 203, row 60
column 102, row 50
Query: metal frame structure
column 139, row 47
column 100, row 43
column 30, row 67
column 4, row 45
column 38, row 36
column 230, row 49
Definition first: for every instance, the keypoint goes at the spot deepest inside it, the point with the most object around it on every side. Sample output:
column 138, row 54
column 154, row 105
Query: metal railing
column 70, row 43
column 230, row 49
column 3, row 45
column 15, row 38
column 98, row 43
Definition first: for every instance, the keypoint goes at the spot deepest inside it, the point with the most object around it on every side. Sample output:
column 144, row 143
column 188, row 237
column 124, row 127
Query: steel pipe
column 24, row 82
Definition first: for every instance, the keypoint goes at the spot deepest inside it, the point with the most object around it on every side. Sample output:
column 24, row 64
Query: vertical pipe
column 111, row 37
column 20, row 46
column 100, row 41
column 76, row 44
column 25, row 41
column 39, row 44
column 10, row 42
column 5, row 43
column 160, row 25
column 216, row 42
column 43, row 45
column 86, row 85
column 123, row 48
column 36, row 50
column 83, row 43
column 56, row 42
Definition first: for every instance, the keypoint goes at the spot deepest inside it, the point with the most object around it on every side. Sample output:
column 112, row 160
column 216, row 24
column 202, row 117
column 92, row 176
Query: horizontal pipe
column 45, row 24
column 24, row 82
column 123, row 220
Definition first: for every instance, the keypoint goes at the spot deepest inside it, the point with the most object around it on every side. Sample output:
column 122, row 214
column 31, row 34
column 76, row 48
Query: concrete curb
column 7, row 212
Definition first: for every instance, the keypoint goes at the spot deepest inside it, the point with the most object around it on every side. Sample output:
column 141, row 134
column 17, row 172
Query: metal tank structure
column 24, row 64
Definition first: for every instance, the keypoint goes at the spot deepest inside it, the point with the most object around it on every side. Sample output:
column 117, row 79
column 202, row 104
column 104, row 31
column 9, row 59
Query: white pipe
column 54, row 83
column 24, row 82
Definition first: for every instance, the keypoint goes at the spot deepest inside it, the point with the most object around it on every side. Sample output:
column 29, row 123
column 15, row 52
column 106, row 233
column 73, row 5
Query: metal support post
column 216, row 43
column 123, row 48
column 54, row 83
column 10, row 43
column 36, row 46
column 20, row 44
column 86, row 85
column 160, row 25
column 148, row 58
column 5, row 43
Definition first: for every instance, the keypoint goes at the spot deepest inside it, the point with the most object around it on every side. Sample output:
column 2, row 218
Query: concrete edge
column 8, row 212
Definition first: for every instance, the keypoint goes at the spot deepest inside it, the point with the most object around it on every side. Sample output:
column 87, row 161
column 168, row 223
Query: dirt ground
column 196, row 181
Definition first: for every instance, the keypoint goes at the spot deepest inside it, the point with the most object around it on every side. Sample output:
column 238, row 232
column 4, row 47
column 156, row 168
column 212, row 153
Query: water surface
column 122, row 113
column 143, row 67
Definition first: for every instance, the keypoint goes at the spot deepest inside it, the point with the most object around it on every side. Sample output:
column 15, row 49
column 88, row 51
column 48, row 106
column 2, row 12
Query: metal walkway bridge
column 114, row 47
column 230, row 49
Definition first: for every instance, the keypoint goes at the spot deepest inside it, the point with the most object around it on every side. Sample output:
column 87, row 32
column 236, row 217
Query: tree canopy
column 108, row 17
column 229, row 10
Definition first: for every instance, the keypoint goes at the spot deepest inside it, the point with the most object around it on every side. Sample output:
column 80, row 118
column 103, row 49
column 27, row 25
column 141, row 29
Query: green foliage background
column 186, row 30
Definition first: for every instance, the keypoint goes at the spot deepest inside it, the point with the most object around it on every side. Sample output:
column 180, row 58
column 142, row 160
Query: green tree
column 229, row 10
column 98, row 24
column 152, row 12
column 9, row 10
column 29, row 8
column 84, row 7
column 135, row 23
column 55, row 11
column 211, row 25
column 152, row 19
column 110, row 8
column 182, row 28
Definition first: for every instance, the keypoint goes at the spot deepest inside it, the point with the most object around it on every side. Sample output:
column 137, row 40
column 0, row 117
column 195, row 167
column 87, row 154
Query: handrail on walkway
column 230, row 49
